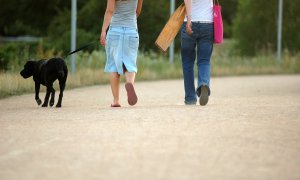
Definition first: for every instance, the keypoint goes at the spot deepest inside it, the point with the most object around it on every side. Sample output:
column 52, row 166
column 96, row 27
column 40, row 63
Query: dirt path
column 250, row 129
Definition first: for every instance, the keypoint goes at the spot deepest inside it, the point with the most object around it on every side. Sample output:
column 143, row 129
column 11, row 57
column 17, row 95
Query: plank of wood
column 171, row 29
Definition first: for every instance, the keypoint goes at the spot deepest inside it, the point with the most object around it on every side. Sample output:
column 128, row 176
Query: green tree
column 28, row 17
column 90, row 18
column 59, row 30
column 229, row 10
column 255, row 26
column 51, row 20
column 151, row 21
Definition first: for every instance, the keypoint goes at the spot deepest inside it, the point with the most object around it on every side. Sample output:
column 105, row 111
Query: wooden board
column 171, row 29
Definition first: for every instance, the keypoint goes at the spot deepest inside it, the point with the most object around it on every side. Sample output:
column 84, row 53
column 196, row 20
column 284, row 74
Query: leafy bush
column 14, row 55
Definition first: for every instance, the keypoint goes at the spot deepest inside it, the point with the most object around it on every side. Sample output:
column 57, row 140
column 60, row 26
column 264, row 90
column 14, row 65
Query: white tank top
column 202, row 10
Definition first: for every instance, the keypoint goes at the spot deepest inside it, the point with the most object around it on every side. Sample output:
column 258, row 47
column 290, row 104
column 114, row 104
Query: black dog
column 45, row 72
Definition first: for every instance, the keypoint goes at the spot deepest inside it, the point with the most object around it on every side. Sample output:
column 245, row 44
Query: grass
column 153, row 66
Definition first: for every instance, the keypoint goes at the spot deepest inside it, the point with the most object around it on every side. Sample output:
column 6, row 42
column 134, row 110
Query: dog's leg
column 45, row 104
column 62, row 84
column 37, row 91
column 52, row 96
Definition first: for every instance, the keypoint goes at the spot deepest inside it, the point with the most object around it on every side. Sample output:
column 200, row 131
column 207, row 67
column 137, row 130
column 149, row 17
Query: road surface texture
column 250, row 129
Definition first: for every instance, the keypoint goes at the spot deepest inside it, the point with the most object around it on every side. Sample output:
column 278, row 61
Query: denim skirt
column 121, row 49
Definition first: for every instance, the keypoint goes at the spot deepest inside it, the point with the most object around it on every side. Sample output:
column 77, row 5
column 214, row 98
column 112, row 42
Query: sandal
column 131, row 95
column 115, row 105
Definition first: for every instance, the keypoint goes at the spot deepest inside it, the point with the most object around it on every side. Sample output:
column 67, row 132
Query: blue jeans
column 200, row 43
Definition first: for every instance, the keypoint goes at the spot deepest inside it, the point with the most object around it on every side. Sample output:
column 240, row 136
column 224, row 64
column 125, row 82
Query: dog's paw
column 44, row 105
column 58, row 105
column 51, row 103
column 38, row 101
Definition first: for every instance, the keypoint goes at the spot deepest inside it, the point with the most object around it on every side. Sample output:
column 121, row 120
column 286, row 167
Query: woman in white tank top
column 197, row 35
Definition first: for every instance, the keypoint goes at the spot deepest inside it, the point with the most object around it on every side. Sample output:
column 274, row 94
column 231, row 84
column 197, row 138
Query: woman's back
column 125, row 14
column 202, row 10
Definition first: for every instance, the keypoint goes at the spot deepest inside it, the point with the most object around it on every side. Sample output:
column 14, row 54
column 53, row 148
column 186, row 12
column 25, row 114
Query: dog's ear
column 29, row 69
column 30, row 65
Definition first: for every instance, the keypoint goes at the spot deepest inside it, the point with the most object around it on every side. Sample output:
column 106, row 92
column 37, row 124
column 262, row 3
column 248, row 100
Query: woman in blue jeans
column 197, row 35
column 121, row 43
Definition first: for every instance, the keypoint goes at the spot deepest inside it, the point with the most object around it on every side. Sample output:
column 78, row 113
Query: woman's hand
column 103, row 38
column 189, row 29
column 188, row 7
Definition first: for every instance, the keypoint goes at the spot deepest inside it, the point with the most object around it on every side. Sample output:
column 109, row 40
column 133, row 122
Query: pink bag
column 218, row 23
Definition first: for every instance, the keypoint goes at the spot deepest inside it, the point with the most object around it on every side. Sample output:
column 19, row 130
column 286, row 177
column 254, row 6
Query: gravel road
column 250, row 129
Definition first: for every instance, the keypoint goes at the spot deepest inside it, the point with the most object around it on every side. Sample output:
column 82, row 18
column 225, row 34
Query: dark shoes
column 203, row 94
column 131, row 95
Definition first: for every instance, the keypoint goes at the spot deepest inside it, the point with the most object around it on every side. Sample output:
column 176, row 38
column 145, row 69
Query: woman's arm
column 188, row 7
column 139, row 8
column 107, row 18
